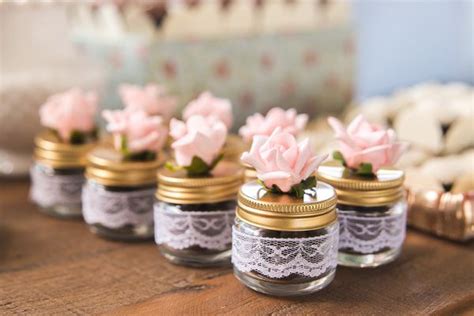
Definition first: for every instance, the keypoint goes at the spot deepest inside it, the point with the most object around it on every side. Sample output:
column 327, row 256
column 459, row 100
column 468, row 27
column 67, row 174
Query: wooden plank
column 51, row 266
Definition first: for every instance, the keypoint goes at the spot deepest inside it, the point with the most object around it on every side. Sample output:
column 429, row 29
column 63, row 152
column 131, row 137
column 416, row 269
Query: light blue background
column 401, row 43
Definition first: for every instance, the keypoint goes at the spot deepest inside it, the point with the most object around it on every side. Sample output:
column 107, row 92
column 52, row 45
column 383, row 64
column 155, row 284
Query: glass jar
column 282, row 245
column 118, row 195
column 57, row 176
column 194, row 216
column 372, row 215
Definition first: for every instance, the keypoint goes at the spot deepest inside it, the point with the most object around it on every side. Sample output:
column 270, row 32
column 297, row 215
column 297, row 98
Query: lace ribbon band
column 181, row 230
column 365, row 234
column 281, row 257
column 48, row 190
column 117, row 209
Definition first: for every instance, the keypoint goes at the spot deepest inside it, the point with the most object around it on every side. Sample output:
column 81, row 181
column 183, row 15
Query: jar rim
column 284, row 212
column 105, row 165
column 51, row 151
column 385, row 188
column 222, row 184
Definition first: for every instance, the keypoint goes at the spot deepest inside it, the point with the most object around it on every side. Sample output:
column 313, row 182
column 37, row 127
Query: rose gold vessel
column 444, row 214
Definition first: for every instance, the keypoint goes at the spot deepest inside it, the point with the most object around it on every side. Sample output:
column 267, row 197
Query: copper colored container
column 444, row 214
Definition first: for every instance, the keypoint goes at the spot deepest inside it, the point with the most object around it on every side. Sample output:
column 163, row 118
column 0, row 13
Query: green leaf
column 123, row 145
column 77, row 138
column 216, row 161
column 337, row 155
column 298, row 190
column 309, row 182
column 140, row 156
column 197, row 168
column 365, row 169
column 261, row 183
column 172, row 167
column 276, row 189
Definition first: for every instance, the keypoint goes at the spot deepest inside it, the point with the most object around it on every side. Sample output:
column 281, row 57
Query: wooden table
column 50, row 266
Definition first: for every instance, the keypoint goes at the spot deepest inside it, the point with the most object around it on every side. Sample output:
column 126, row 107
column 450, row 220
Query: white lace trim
column 117, row 209
column 280, row 257
column 48, row 190
column 181, row 230
column 369, row 234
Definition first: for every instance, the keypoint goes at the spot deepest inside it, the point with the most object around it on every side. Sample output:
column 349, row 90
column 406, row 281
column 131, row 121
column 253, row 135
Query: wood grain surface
column 56, row 267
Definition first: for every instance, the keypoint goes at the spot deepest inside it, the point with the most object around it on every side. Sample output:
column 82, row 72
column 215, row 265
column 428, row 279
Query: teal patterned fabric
column 312, row 72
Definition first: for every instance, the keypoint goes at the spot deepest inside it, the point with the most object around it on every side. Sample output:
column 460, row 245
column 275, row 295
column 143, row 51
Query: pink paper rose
column 137, row 130
column 199, row 136
column 208, row 105
column 151, row 98
column 70, row 111
column 363, row 142
column 279, row 160
column 289, row 121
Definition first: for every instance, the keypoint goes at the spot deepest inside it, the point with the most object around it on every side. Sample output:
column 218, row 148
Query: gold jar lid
column 385, row 188
column 284, row 212
column 222, row 185
column 50, row 150
column 105, row 165
column 249, row 172
column 234, row 147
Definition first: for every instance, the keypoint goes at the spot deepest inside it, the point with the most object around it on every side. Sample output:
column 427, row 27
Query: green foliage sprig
column 363, row 170
column 197, row 168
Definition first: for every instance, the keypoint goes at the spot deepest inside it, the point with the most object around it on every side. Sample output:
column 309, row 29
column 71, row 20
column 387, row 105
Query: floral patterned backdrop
column 310, row 71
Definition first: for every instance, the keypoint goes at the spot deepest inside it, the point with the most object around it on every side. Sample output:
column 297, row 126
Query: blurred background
column 319, row 56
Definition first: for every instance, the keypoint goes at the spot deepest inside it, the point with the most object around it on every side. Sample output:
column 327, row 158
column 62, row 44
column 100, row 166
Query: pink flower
column 151, row 98
column 199, row 136
column 363, row 142
column 208, row 105
column 279, row 160
column 137, row 130
column 289, row 121
column 73, row 110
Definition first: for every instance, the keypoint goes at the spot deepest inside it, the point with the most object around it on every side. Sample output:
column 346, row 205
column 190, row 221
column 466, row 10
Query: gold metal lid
column 284, row 212
column 234, row 147
column 249, row 172
column 385, row 188
column 222, row 185
column 105, row 165
column 53, row 152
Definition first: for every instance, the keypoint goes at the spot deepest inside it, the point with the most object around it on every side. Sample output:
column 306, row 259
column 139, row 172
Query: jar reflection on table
column 194, row 216
column 282, row 245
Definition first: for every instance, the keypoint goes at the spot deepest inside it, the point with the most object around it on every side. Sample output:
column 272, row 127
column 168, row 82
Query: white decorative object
column 48, row 190
column 117, row 209
column 281, row 257
column 181, row 230
column 369, row 234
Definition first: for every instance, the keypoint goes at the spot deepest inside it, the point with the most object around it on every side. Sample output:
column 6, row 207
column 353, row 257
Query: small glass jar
column 282, row 245
column 57, row 175
column 372, row 215
column 118, row 195
column 194, row 215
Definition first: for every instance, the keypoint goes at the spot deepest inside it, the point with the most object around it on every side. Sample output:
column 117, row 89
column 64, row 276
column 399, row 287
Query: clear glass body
column 371, row 236
column 126, row 231
column 294, row 284
column 197, row 256
column 58, row 191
